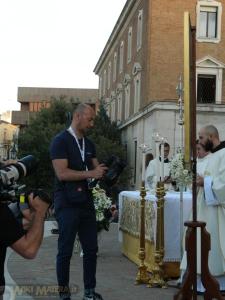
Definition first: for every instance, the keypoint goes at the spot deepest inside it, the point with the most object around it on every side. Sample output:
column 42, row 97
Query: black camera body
column 10, row 190
column 115, row 167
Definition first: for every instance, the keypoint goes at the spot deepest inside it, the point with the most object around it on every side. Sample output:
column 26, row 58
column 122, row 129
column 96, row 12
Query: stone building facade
column 140, row 67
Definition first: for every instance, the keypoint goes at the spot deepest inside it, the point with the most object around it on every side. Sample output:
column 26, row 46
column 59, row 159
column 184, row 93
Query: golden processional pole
column 142, row 275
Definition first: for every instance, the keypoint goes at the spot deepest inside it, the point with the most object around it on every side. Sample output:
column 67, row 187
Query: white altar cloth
column 171, row 219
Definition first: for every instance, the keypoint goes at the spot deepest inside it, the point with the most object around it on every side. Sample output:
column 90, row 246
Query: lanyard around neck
column 82, row 151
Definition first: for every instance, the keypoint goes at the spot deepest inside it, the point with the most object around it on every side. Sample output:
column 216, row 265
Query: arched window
column 129, row 45
column 121, row 56
column 114, row 66
column 139, row 29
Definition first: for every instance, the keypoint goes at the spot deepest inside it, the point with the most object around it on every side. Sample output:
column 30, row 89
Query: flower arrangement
column 102, row 205
column 178, row 173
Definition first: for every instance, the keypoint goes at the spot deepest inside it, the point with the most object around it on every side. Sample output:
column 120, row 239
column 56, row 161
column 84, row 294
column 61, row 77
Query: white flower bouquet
column 178, row 173
column 102, row 205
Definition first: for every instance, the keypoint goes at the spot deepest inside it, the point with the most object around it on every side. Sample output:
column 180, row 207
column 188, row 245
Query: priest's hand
column 200, row 180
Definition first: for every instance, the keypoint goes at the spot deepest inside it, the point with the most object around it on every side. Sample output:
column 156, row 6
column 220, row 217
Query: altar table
column 129, row 227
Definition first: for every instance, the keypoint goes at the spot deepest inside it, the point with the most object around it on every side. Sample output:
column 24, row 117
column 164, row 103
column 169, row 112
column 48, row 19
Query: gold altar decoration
column 142, row 275
column 158, row 275
column 130, row 248
column 130, row 218
column 130, row 229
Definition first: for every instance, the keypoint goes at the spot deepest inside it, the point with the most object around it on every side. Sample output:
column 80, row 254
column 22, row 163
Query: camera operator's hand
column 38, row 205
column 28, row 216
column 99, row 171
column 8, row 162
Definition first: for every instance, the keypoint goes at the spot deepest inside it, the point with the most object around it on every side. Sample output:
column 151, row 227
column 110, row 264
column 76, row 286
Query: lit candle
column 157, row 160
column 162, row 160
column 144, row 148
column 143, row 167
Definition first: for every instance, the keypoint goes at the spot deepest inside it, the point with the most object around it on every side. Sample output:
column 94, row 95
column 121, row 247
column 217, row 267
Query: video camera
column 115, row 167
column 10, row 191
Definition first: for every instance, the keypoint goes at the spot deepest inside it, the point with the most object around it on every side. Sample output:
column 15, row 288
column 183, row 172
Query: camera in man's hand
column 115, row 167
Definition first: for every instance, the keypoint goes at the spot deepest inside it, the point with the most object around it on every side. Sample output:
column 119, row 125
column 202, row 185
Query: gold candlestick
column 142, row 275
column 157, row 277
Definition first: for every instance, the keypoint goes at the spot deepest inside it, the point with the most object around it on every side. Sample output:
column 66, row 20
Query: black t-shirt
column 10, row 229
column 64, row 146
column 10, row 232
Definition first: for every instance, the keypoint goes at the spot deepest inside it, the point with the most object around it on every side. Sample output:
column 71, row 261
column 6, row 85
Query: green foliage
column 104, row 127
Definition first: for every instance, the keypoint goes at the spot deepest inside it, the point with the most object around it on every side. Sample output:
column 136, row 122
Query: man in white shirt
column 202, row 158
column 150, row 177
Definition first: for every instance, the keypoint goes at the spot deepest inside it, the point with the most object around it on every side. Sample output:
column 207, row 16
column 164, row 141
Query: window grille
column 206, row 92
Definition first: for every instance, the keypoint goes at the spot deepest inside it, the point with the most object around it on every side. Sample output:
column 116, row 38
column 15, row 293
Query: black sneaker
column 93, row 296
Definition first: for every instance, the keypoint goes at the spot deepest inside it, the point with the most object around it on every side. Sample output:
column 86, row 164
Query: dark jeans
column 73, row 220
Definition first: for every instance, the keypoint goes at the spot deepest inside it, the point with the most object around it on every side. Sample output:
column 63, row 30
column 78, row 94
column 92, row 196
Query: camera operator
column 12, row 233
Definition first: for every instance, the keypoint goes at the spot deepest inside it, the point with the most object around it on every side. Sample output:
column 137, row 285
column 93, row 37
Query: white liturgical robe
column 211, row 209
column 150, row 176
column 202, row 163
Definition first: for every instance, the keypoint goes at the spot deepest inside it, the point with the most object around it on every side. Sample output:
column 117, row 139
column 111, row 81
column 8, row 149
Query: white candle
column 143, row 167
column 157, row 160
column 162, row 161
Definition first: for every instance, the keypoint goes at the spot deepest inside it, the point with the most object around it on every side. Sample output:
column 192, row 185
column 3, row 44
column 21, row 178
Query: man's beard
column 208, row 145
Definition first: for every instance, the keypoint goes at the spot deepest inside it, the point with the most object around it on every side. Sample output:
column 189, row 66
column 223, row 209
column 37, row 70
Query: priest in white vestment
column 202, row 158
column 150, row 175
column 211, row 205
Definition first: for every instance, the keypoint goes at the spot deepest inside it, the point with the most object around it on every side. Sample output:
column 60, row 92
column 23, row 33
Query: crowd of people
column 74, row 161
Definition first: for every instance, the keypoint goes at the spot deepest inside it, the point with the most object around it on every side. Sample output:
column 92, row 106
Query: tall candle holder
column 159, row 143
column 157, row 139
column 157, row 277
column 162, row 143
column 142, row 275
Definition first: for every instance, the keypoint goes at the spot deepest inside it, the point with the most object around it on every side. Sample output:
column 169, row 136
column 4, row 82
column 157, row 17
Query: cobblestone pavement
column 36, row 279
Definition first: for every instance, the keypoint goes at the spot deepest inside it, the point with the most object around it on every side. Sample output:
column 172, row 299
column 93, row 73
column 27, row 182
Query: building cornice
column 171, row 106
column 119, row 24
